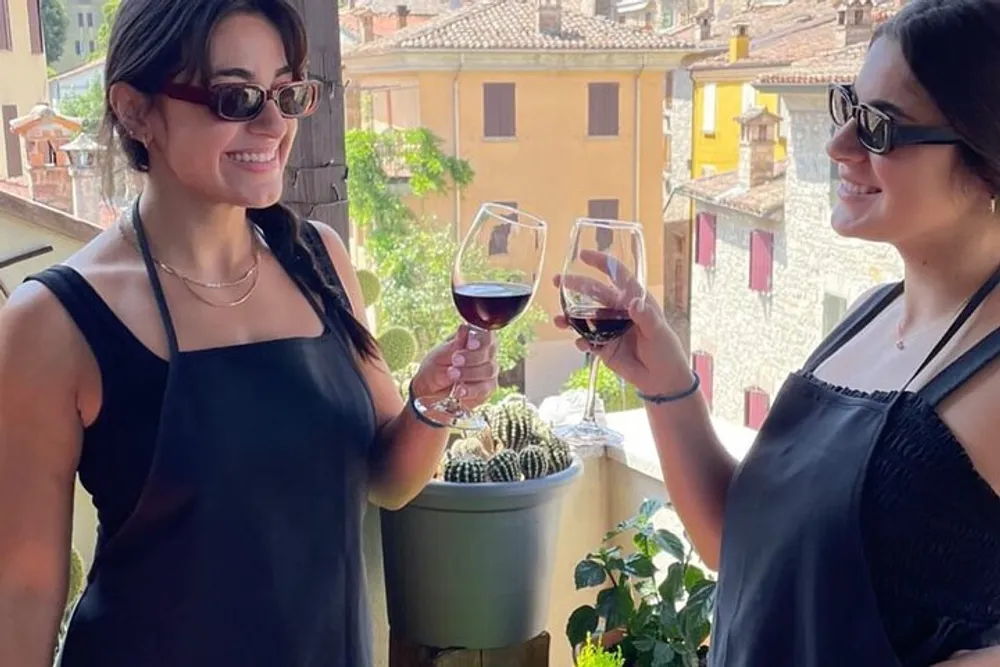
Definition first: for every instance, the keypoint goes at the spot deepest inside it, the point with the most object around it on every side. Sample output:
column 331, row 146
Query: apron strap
column 154, row 279
column 970, row 307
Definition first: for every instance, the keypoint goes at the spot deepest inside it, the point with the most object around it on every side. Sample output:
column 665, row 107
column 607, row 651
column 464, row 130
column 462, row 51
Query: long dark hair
column 151, row 42
column 953, row 50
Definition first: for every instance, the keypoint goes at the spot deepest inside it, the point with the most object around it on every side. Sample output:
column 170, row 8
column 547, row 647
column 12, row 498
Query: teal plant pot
column 470, row 565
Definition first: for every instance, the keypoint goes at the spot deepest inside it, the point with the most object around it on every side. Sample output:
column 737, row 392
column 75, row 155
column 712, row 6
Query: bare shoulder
column 341, row 258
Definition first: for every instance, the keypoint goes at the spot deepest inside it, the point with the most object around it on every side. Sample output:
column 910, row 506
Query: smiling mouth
column 253, row 158
column 856, row 190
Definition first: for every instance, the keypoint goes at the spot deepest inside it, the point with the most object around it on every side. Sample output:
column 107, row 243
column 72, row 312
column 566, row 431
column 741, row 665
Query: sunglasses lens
column 873, row 130
column 840, row 107
column 239, row 102
column 298, row 99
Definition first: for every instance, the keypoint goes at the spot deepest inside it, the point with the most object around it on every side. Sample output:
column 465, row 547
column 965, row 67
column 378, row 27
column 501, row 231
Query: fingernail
column 454, row 373
column 473, row 343
column 462, row 391
column 457, row 359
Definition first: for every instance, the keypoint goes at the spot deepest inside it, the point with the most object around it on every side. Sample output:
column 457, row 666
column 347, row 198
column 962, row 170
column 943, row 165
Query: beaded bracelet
column 411, row 401
column 670, row 398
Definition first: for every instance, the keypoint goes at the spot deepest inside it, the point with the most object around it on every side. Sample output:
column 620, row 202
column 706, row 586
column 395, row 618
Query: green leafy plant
column 595, row 655
column 615, row 393
column 661, row 617
column 55, row 23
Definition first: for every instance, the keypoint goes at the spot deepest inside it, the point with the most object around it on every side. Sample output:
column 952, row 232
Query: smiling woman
column 206, row 367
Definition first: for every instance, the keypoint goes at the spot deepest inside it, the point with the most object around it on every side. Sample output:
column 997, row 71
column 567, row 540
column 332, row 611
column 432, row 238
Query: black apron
column 794, row 587
column 245, row 546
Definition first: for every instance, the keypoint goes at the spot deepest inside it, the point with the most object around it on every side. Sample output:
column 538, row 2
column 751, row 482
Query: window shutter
column 35, row 27
column 756, row 404
column 834, row 309
column 12, row 146
column 6, row 44
column 708, row 109
column 761, row 260
column 705, row 242
column 602, row 111
column 500, row 235
column 499, row 110
column 703, row 366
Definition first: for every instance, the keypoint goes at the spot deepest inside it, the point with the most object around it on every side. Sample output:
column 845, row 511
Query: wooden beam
column 316, row 180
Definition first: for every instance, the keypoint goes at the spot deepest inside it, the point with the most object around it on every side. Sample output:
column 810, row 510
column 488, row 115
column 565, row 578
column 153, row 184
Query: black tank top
column 230, row 484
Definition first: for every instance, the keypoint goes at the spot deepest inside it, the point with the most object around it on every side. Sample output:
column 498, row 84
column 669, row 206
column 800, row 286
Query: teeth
column 251, row 157
column 851, row 188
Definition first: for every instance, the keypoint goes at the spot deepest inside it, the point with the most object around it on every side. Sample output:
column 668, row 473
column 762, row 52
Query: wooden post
column 532, row 653
column 316, row 180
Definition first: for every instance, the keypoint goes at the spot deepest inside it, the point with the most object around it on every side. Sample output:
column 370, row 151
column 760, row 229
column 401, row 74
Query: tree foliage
column 108, row 13
column 87, row 106
column 413, row 257
column 55, row 23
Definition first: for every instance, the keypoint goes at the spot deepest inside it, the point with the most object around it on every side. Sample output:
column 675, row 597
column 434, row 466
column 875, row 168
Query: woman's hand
column 468, row 359
column 649, row 355
column 985, row 657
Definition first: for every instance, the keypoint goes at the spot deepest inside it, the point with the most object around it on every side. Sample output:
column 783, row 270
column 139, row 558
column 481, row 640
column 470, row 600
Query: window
column 705, row 240
column 90, row 20
column 91, row 46
column 35, row 27
column 761, row 260
column 703, row 365
column 6, row 44
column 12, row 145
column 79, row 48
column 79, row 19
column 602, row 109
column 602, row 8
column 834, row 309
column 708, row 109
column 603, row 209
column 499, row 110
column 756, row 404
column 749, row 96
column 500, row 234
column 50, row 154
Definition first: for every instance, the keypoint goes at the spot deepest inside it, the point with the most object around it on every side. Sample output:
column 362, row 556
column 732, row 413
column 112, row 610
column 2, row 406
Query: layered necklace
column 251, row 275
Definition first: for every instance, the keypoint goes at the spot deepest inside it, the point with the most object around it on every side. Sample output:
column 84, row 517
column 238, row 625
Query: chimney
column 758, row 136
column 454, row 4
column 739, row 42
column 855, row 21
column 367, row 26
column 703, row 28
column 550, row 17
column 85, row 178
column 402, row 12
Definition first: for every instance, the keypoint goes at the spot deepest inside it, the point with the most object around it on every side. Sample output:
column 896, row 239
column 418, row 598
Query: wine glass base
column 589, row 433
column 449, row 412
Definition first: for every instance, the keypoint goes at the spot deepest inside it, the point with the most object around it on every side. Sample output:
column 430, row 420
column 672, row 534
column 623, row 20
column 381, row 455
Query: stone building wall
column 757, row 339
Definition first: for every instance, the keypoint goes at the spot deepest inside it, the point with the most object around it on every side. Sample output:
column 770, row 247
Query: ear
column 131, row 107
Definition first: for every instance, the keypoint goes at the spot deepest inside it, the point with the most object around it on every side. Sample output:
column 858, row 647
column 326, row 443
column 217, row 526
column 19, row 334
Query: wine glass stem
column 589, row 408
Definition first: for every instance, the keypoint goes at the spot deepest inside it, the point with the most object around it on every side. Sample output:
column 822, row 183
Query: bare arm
column 40, row 438
column 413, row 448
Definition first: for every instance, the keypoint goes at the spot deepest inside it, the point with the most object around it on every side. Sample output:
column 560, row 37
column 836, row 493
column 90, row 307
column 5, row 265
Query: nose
column 269, row 122
column 844, row 145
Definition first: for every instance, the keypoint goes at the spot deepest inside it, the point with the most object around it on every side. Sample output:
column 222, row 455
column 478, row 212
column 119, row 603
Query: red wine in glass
column 493, row 281
column 598, row 325
column 605, row 270
column 491, row 306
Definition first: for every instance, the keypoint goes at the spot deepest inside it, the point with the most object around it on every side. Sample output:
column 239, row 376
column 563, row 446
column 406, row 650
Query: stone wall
column 677, row 216
column 757, row 339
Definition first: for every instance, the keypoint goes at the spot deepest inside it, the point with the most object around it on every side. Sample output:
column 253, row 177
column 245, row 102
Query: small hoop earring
column 993, row 205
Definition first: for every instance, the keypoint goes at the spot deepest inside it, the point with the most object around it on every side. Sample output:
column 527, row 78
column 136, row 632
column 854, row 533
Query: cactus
column 398, row 346
column 504, row 466
column 465, row 471
column 371, row 287
column 511, row 423
column 534, row 462
column 468, row 448
column 560, row 456
column 76, row 576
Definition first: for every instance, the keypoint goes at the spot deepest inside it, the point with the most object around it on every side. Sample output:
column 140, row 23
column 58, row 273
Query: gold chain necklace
column 252, row 274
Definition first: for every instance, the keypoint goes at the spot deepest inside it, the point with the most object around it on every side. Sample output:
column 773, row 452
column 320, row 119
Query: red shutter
column 35, row 27
column 705, row 241
column 756, row 404
column 761, row 260
column 6, row 43
column 602, row 109
column 703, row 366
column 499, row 110
column 12, row 145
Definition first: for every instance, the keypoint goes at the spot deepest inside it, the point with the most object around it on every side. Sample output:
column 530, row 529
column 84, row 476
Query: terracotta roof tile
column 835, row 66
column 416, row 7
column 722, row 190
column 513, row 25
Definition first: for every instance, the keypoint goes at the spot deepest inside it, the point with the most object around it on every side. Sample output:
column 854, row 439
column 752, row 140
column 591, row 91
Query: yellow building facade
column 23, row 82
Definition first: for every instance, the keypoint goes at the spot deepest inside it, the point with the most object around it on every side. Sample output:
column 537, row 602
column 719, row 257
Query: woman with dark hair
column 863, row 527
column 204, row 364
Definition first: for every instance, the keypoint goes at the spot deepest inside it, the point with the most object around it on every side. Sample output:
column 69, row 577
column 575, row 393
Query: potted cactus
column 468, row 562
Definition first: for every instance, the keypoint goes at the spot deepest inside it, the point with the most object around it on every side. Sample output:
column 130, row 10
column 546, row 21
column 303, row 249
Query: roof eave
column 802, row 88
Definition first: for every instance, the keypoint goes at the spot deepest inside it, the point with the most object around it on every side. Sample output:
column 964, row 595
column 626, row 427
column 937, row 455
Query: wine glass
column 495, row 276
column 605, row 270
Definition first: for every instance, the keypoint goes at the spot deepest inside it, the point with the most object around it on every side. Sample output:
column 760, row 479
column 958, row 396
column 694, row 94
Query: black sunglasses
column 879, row 132
column 241, row 102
